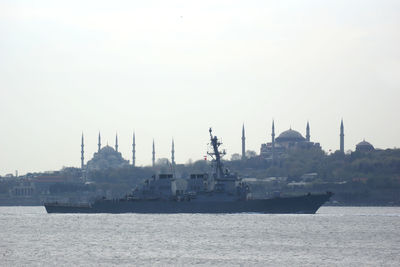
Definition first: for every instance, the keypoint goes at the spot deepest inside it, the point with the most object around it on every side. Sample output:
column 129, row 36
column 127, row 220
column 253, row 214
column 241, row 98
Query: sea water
column 335, row 236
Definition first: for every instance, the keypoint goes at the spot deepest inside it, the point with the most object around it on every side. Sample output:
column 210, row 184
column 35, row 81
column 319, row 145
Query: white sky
column 174, row 68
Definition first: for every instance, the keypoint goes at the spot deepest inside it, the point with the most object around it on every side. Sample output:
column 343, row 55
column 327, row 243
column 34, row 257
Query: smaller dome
column 364, row 146
column 290, row 136
column 107, row 149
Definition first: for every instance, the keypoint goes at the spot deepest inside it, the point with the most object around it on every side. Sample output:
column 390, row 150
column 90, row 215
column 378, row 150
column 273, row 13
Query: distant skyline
column 173, row 69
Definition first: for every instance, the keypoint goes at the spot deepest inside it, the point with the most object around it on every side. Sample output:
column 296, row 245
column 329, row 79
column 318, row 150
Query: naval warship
column 218, row 192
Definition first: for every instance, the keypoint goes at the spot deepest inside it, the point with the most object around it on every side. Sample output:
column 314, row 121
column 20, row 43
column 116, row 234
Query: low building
column 23, row 189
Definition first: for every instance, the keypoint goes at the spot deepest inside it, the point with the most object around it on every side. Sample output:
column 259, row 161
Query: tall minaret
column 99, row 144
column 173, row 153
column 341, row 137
column 133, row 150
column 82, row 156
column 154, row 156
column 308, row 132
column 243, row 144
column 273, row 141
column 116, row 142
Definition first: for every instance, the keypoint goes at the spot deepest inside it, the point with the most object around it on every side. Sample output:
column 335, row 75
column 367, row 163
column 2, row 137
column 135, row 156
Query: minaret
column 308, row 132
column 154, row 156
column 273, row 141
column 116, row 142
column 133, row 150
column 82, row 156
column 173, row 153
column 99, row 144
column 243, row 144
column 341, row 137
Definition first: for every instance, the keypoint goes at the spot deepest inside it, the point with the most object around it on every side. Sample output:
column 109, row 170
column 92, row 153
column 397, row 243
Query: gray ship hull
column 308, row 204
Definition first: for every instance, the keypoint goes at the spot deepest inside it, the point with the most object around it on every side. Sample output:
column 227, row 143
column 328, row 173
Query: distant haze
column 171, row 69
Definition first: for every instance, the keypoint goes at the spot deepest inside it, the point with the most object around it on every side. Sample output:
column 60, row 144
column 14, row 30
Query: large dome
column 290, row 136
column 107, row 150
column 364, row 146
column 106, row 158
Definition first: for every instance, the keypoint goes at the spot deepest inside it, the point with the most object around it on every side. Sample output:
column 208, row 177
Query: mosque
column 289, row 139
column 105, row 157
column 109, row 157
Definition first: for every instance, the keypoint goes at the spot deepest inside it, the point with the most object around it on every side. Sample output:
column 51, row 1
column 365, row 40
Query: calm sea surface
column 344, row 236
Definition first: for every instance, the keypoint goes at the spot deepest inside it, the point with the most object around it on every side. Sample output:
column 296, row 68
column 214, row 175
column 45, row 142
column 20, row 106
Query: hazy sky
column 174, row 68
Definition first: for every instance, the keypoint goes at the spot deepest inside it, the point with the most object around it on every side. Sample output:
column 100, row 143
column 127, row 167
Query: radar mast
column 216, row 155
